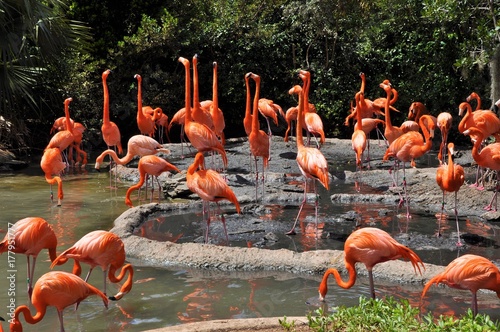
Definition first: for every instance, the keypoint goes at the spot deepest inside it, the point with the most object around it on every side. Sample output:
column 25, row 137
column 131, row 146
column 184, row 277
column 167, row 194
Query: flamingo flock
column 203, row 125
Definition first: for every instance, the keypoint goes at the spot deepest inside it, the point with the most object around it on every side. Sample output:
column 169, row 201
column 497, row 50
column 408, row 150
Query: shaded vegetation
column 428, row 56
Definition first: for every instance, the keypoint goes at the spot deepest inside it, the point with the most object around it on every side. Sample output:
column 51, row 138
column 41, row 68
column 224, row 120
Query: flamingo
column 179, row 117
column 269, row 109
column 444, row 121
column 416, row 110
column 59, row 124
column 152, row 165
column 474, row 96
column 311, row 161
column 198, row 113
column 488, row 157
column 215, row 111
column 259, row 141
column 110, row 131
column 484, row 120
column 201, row 137
column 312, row 121
column 358, row 138
column 470, row 272
column 368, row 125
column 29, row 236
column 411, row 146
column 78, row 130
column 391, row 132
column 58, row 289
column 145, row 121
column 51, row 164
column 138, row 145
column 290, row 117
column 450, row 178
column 64, row 138
column 369, row 246
column 103, row 249
column 162, row 124
column 211, row 187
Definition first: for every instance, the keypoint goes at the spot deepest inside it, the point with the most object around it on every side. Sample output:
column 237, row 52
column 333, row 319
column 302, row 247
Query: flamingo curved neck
column 344, row 284
column 27, row 314
column 120, row 161
column 468, row 113
column 300, row 120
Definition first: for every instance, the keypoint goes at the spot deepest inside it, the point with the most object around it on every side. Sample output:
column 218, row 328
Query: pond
column 172, row 295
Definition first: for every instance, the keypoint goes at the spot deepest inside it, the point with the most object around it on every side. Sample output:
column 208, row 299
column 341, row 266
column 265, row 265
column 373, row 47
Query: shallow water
column 169, row 296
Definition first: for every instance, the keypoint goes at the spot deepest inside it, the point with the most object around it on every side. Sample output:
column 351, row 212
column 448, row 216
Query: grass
column 391, row 315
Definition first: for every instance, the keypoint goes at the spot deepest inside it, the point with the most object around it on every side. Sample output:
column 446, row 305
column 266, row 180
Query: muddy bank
column 282, row 186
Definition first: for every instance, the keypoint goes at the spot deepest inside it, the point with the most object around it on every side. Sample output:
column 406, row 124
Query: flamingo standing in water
column 470, row 272
column 259, row 141
column 51, row 164
column 145, row 121
column 201, row 137
column 110, row 131
column 58, row 289
column 29, row 236
column 487, row 157
column 450, row 178
column 103, row 249
column 311, row 161
column 211, row 187
column 369, row 246
column 154, row 166
column 138, row 145
column 64, row 138
column 411, row 146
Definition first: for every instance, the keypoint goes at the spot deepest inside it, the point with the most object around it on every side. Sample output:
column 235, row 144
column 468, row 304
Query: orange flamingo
column 211, row 187
column 103, row 249
column 78, row 130
column 162, row 124
column 391, row 132
column 198, row 113
column 269, row 109
column 215, row 111
column 368, row 125
column 488, row 157
column 411, row 146
column 470, row 272
column 29, row 236
column 416, row 110
column 450, row 178
column 484, row 120
column 110, row 131
column 444, row 122
column 154, row 166
column 201, row 137
column 51, row 164
column 358, row 138
column 179, row 117
column 311, row 162
column 138, row 145
column 259, row 141
column 58, row 289
column 145, row 121
column 474, row 96
column 369, row 246
column 290, row 117
column 248, row 119
column 59, row 124
column 64, row 138
column 312, row 121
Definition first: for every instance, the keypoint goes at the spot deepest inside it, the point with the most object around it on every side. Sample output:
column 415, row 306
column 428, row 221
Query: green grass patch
column 391, row 315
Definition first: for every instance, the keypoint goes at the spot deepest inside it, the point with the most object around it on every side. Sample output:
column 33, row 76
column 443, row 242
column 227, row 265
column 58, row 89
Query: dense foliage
column 429, row 56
